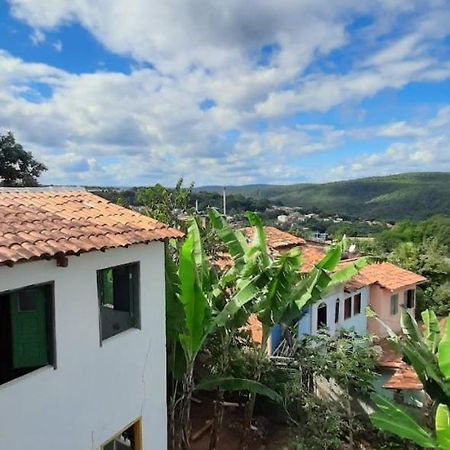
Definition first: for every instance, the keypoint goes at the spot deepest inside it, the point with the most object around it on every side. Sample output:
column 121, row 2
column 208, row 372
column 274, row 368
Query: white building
column 340, row 309
column 82, row 338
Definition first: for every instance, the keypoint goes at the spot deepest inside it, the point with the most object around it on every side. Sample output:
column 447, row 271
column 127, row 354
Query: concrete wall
column 96, row 390
column 308, row 323
column 380, row 301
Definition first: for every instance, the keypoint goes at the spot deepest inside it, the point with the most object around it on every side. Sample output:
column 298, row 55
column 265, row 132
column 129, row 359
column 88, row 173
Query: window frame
column 359, row 302
column 337, row 310
column 322, row 306
column 348, row 301
column 136, row 301
column 394, row 310
column 406, row 298
column 50, row 325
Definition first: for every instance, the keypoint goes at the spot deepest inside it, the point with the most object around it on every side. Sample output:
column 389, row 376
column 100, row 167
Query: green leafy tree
column 428, row 352
column 165, row 204
column 17, row 166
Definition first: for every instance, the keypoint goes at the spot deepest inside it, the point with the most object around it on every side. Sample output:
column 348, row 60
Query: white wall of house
column 308, row 323
column 96, row 390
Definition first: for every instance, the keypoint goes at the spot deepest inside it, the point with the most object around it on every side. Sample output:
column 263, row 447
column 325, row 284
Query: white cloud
column 150, row 122
column 37, row 37
column 418, row 148
column 58, row 45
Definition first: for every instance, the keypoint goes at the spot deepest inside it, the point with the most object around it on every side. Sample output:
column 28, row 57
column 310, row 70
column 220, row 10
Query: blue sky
column 228, row 92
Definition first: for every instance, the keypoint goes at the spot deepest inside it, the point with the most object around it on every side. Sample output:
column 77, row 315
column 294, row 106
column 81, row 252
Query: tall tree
column 17, row 166
column 164, row 204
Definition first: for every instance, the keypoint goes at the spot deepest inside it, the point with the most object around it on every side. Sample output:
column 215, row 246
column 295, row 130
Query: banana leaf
column 391, row 418
column 239, row 384
column 442, row 422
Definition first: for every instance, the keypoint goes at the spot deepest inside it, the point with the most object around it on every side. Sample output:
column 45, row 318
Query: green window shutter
column 105, row 286
column 29, row 328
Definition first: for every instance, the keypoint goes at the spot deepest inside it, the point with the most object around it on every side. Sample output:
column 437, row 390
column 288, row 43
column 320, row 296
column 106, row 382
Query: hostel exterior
column 82, row 339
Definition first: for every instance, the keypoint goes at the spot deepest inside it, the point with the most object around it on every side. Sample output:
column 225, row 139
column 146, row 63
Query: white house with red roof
column 82, row 335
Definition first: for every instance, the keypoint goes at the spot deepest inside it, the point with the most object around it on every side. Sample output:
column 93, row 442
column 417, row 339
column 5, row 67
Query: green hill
column 415, row 196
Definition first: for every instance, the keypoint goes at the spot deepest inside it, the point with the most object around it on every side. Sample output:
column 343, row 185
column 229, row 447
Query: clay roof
column 404, row 378
column 387, row 275
column 389, row 358
column 276, row 238
column 42, row 223
column 311, row 255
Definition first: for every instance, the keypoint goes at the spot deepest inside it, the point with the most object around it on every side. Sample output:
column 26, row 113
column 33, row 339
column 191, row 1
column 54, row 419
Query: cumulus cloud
column 417, row 147
column 255, row 63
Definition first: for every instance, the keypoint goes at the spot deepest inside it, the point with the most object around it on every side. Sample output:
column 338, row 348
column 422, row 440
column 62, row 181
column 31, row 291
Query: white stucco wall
column 308, row 323
column 95, row 391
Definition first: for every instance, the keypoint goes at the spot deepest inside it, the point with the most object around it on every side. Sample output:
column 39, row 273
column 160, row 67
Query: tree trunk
column 250, row 406
column 183, row 428
column 217, row 421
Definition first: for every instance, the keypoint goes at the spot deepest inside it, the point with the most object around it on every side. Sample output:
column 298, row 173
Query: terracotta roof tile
column 404, row 378
column 276, row 238
column 387, row 275
column 41, row 223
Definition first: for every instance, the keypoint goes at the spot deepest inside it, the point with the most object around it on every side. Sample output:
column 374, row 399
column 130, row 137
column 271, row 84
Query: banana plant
column 428, row 352
column 280, row 291
column 193, row 291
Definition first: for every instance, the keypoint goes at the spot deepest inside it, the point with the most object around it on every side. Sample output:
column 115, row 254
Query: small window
column 129, row 439
column 26, row 331
column 410, row 298
column 357, row 304
column 118, row 293
column 336, row 311
column 322, row 316
column 347, row 308
column 394, row 304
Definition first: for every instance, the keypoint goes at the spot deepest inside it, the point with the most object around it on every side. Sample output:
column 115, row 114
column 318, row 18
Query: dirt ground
column 265, row 436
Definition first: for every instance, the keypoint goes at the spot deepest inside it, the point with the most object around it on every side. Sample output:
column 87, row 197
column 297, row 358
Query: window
column 356, row 304
column 118, row 293
column 410, row 298
column 394, row 304
column 336, row 311
column 26, row 331
column 128, row 439
column 322, row 316
column 347, row 308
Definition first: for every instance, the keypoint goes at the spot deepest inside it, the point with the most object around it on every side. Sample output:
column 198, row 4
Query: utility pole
column 224, row 201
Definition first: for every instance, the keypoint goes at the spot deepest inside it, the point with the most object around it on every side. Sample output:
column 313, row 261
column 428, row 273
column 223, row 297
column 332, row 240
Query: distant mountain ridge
column 414, row 196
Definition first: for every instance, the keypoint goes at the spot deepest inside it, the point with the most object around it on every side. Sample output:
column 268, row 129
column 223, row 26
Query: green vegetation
column 429, row 354
column 423, row 248
column 414, row 196
column 18, row 168
column 203, row 304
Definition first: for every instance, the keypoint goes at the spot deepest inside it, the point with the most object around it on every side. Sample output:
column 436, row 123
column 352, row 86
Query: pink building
column 391, row 289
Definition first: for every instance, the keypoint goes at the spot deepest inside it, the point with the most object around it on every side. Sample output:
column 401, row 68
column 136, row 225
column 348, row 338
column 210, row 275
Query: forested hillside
column 415, row 196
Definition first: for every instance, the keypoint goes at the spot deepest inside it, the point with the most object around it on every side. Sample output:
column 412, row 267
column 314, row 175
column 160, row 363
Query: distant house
column 384, row 286
column 82, row 339
column 391, row 288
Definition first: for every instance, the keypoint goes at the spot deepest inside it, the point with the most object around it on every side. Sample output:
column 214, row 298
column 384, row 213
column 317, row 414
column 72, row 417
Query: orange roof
column 276, row 238
column 311, row 255
column 387, row 275
column 41, row 223
column 389, row 358
column 404, row 378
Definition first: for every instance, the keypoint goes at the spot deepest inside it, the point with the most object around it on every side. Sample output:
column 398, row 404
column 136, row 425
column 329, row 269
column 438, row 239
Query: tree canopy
column 17, row 166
